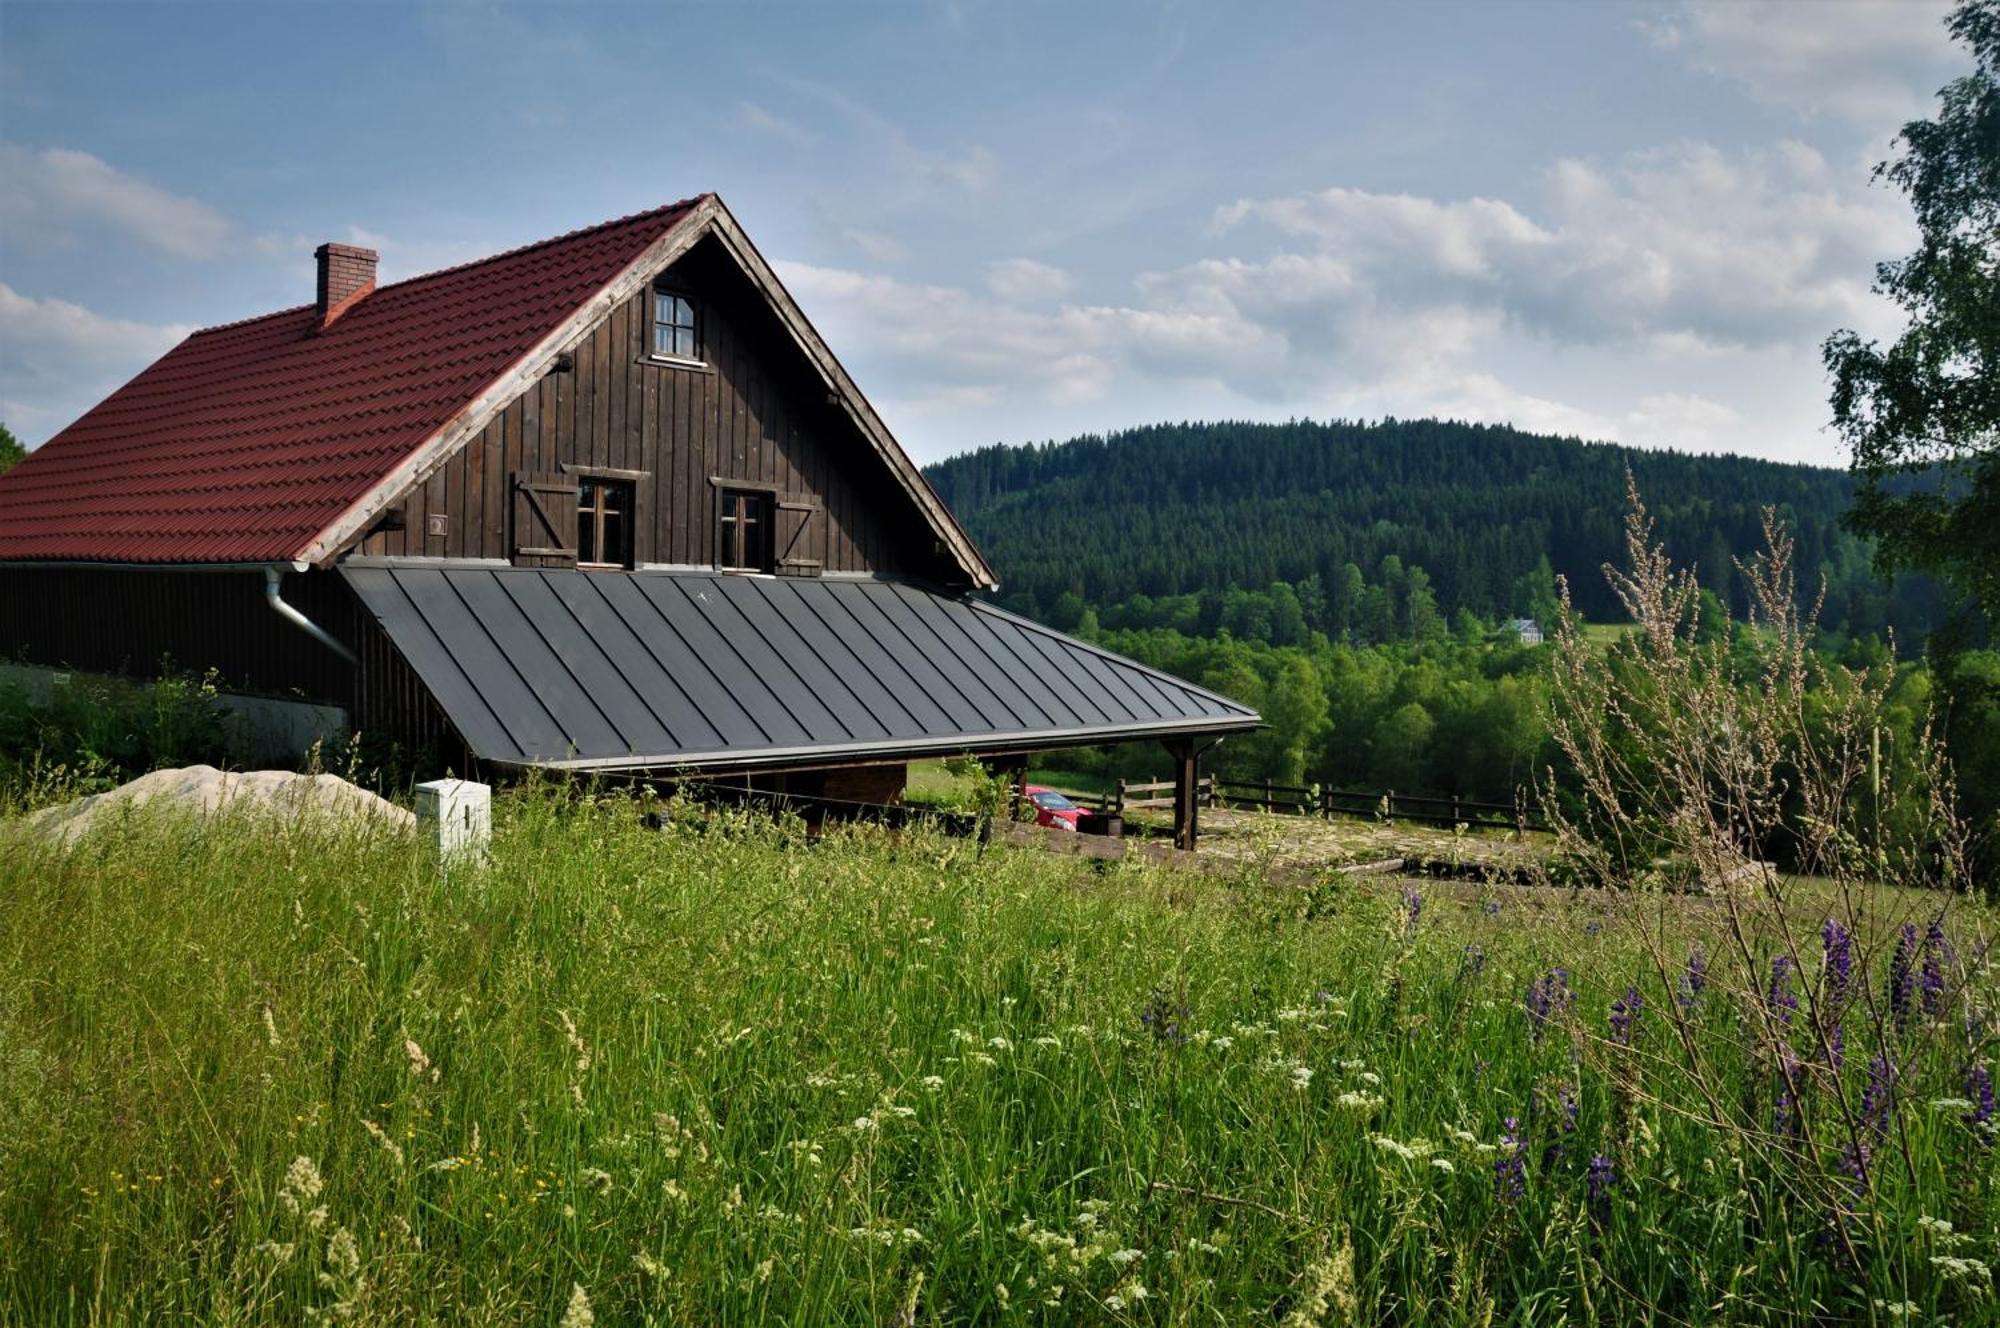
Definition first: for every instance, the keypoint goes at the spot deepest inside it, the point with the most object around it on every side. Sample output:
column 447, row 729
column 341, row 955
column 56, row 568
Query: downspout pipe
column 273, row 579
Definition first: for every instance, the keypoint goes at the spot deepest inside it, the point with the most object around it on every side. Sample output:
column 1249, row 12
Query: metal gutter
column 957, row 742
column 273, row 579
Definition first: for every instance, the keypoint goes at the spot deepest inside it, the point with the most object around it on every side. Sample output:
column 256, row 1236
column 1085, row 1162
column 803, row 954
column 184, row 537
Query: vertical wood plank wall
column 753, row 412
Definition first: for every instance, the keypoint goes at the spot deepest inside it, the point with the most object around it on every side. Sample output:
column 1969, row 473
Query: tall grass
column 721, row 1074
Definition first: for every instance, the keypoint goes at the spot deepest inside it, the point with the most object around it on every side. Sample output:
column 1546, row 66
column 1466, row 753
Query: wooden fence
column 1297, row 800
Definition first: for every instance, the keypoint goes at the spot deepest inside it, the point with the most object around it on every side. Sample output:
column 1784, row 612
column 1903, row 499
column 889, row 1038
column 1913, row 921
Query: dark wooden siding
column 108, row 620
column 755, row 412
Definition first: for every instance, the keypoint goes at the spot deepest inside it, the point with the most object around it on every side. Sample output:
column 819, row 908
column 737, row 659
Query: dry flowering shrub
column 1734, row 772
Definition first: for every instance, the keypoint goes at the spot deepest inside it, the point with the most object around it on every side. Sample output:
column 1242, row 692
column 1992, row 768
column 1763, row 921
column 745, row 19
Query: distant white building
column 1527, row 629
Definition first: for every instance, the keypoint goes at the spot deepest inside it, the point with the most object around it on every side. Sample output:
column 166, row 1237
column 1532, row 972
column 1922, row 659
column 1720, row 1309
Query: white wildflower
column 863, row 1124
column 1120, row 1258
column 271, row 1028
column 1047, row 1043
column 597, row 1179
column 301, row 1185
column 1370, row 1078
column 932, row 1082
column 648, row 1265
column 1898, row 1309
column 1301, row 1076
column 420, row 1064
column 578, row 1315
column 343, row 1254
column 1362, row 1102
column 1223, row 1043
column 576, row 1042
column 1961, row 1269
column 999, row 1044
column 381, row 1136
column 1444, row 1165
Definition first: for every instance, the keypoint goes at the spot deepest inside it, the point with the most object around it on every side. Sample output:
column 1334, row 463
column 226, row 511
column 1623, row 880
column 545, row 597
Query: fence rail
column 1305, row 800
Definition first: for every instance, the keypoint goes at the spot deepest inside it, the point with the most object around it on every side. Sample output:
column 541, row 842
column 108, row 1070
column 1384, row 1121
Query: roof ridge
column 577, row 234
column 581, row 231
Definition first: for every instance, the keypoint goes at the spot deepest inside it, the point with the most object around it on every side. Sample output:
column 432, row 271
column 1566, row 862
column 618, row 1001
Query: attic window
column 674, row 327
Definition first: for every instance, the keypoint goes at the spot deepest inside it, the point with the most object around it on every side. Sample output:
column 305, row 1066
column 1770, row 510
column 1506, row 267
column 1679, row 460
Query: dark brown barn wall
column 110, row 620
column 755, row 412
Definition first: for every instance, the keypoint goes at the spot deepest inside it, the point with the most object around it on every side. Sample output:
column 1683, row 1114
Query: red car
column 1052, row 808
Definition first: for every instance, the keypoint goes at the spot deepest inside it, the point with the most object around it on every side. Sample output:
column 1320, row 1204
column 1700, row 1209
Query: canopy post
column 1187, row 760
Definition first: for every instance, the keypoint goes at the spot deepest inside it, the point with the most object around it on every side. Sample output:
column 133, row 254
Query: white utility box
column 457, row 814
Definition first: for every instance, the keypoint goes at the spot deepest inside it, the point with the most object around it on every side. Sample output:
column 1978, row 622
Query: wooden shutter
column 544, row 519
column 794, row 536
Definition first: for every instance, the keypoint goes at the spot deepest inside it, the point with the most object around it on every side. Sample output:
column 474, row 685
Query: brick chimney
column 346, row 273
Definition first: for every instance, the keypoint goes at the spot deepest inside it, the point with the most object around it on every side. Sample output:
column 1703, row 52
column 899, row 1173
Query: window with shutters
column 743, row 540
column 604, row 520
column 544, row 533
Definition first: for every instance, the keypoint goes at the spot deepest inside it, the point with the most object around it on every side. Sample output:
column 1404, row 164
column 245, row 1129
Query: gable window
column 674, row 327
column 604, row 522
column 744, row 541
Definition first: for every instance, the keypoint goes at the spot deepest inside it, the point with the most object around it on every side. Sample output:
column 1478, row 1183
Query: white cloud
column 1876, row 63
column 1025, row 281
column 52, row 193
column 1687, row 244
column 58, row 359
column 752, row 116
column 1611, row 300
column 874, row 244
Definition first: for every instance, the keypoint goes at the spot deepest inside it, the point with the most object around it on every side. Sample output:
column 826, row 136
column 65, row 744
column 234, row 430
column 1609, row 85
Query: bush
column 94, row 733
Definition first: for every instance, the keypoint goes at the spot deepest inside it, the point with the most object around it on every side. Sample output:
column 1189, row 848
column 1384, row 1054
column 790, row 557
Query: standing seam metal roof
column 659, row 670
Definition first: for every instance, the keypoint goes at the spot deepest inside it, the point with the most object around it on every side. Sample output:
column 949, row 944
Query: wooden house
column 606, row 502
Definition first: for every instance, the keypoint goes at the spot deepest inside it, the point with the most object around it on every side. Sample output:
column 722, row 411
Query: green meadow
column 726, row 1073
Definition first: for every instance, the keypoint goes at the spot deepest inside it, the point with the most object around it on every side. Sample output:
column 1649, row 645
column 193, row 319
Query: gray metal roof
column 697, row 670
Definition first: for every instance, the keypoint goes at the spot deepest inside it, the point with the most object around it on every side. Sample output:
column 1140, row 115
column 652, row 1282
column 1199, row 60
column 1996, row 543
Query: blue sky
column 1023, row 221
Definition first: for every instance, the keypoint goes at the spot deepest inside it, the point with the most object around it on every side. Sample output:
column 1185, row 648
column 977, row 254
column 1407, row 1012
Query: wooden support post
column 1187, row 792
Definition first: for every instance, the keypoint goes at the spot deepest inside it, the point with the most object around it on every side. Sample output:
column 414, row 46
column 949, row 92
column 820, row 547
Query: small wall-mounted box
column 456, row 814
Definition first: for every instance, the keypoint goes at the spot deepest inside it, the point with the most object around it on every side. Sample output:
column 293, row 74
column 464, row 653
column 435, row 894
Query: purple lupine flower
column 1413, row 908
column 1625, row 1013
column 1979, row 1087
column 1836, row 1047
column 1509, row 1169
column 1599, row 1180
column 1903, row 977
column 1937, row 953
column 1593, row 927
column 1878, row 1098
column 1490, row 907
column 1564, row 1128
column 1854, row 1159
column 1785, row 1117
column 1548, row 997
column 1163, row 1017
column 1695, row 977
column 1837, row 961
column 1471, row 962
column 1783, row 1001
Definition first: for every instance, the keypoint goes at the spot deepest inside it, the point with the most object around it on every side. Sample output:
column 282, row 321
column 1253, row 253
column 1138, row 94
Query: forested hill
column 1181, row 509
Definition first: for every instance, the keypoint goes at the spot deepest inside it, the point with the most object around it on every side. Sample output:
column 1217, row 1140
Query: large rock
column 204, row 790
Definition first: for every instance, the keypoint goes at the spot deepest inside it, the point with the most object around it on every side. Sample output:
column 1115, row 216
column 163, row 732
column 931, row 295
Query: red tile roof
column 245, row 442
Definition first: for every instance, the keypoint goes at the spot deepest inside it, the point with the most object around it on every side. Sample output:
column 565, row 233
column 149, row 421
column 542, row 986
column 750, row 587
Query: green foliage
column 723, row 1074
column 1923, row 415
column 1490, row 514
column 11, row 450
column 90, row 733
